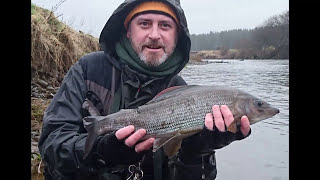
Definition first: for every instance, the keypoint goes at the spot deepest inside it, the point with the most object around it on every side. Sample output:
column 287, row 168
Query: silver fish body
column 179, row 112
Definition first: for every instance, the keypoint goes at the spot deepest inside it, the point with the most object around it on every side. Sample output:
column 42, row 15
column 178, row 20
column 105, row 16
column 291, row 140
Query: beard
column 153, row 59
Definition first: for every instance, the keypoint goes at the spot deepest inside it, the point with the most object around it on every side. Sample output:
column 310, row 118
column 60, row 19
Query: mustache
column 155, row 44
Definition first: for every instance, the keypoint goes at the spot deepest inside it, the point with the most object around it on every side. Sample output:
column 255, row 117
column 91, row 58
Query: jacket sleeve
column 63, row 136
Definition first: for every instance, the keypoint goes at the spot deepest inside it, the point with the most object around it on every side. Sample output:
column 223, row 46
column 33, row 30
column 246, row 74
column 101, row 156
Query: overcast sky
column 203, row 16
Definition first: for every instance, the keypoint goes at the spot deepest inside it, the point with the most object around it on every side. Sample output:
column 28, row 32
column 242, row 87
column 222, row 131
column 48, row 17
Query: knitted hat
column 150, row 6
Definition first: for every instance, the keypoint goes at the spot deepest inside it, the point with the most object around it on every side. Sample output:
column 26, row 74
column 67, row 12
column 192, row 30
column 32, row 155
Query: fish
column 179, row 112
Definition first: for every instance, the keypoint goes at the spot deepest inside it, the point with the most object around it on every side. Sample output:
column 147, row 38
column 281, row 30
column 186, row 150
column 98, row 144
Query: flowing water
column 264, row 155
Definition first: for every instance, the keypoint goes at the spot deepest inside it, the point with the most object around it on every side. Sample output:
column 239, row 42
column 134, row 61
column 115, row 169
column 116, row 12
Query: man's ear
column 128, row 33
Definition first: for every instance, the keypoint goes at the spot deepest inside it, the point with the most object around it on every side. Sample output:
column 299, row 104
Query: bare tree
column 53, row 10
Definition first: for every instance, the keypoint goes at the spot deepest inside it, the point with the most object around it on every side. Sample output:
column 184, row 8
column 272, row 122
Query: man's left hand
column 222, row 117
column 213, row 136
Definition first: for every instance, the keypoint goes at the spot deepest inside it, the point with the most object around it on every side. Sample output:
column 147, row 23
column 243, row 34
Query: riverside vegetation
column 54, row 48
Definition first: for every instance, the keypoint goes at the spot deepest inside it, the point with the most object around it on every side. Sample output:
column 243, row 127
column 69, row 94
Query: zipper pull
column 138, row 92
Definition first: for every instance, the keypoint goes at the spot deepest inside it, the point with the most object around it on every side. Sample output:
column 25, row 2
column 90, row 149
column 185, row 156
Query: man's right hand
column 132, row 139
column 123, row 146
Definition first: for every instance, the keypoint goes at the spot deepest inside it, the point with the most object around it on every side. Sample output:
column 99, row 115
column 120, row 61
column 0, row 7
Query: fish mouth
column 268, row 114
column 276, row 111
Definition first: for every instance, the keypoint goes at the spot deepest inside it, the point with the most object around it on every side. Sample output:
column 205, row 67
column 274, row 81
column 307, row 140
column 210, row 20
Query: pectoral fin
column 170, row 144
column 232, row 127
column 159, row 142
column 172, row 147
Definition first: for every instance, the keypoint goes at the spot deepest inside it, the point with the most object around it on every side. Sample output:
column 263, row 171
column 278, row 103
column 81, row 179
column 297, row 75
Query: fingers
column 209, row 121
column 144, row 145
column 135, row 137
column 222, row 116
column 227, row 114
column 218, row 119
column 124, row 132
column 245, row 125
column 132, row 139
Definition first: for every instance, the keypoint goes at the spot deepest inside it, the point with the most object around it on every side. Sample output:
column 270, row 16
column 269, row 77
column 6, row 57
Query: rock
column 34, row 94
column 49, row 95
column 34, row 156
column 42, row 83
column 34, row 143
column 35, row 149
column 35, row 89
column 50, row 88
column 36, row 138
column 33, row 134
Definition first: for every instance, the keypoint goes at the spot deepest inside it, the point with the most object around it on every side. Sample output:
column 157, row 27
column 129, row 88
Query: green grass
column 33, row 9
column 37, row 109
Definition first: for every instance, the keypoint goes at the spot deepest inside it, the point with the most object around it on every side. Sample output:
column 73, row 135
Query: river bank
column 41, row 95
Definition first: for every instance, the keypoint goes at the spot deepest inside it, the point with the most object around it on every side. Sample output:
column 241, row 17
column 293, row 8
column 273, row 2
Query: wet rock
column 33, row 134
column 42, row 83
column 34, row 143
column 35, row 94
column 35, row 149
column 49, row 95
column 50, row 88
column 35, row 89
column 36, row 138
column 33, row 155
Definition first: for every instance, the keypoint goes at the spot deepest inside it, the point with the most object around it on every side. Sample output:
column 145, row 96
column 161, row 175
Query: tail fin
column 89, row 123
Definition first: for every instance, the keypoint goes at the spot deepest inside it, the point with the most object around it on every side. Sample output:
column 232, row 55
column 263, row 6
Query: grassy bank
column 54, row 48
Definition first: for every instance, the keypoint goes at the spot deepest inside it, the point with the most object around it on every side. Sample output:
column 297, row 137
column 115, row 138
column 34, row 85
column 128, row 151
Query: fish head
column 255, row 109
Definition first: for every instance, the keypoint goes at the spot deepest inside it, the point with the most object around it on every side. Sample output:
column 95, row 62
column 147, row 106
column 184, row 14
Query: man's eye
column 144, row 23
column 166, row 25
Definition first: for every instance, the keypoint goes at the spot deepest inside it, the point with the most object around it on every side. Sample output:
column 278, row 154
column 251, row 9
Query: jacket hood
column 114, row 28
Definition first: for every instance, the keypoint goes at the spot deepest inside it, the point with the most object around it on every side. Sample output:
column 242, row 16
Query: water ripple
column 268, row 80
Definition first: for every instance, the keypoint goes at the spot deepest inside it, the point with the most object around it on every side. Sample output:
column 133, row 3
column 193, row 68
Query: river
column 264, row 155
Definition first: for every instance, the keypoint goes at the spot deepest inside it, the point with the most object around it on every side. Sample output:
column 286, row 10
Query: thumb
column 245, row 125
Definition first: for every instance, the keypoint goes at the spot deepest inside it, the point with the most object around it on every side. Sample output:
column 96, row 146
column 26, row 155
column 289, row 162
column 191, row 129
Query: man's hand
column 213, row 136
column 132, row 139
column 117, row 147
column 222, row 117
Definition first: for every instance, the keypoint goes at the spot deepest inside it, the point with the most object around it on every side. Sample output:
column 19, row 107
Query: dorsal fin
column 169, row 93
column 168, row 90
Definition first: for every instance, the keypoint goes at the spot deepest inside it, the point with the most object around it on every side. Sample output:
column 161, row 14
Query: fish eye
column 260, row 103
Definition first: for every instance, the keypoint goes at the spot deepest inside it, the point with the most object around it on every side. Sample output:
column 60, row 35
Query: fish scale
column 179, row 112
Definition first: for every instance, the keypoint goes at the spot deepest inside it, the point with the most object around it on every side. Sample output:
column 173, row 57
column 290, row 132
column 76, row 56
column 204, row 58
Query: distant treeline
column 270, row 40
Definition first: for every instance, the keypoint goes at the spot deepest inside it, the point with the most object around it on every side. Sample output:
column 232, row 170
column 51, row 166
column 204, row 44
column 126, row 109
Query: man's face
column 153, row 37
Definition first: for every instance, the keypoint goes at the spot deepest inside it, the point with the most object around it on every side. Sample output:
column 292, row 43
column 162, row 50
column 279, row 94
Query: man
column 145, row 45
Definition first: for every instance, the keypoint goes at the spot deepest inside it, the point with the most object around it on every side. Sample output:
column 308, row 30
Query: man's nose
column 154, row 34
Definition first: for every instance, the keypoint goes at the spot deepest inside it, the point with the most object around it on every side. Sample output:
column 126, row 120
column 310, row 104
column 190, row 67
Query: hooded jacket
column 93, row 86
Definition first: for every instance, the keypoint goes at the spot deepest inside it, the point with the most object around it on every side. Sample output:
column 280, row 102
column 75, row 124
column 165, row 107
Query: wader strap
column 157, row 164
column 115, row 96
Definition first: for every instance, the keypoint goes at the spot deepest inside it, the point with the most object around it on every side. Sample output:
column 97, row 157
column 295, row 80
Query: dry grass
column 217, row 54
column 55, row 46
column 210, row 54
column 38, row 106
